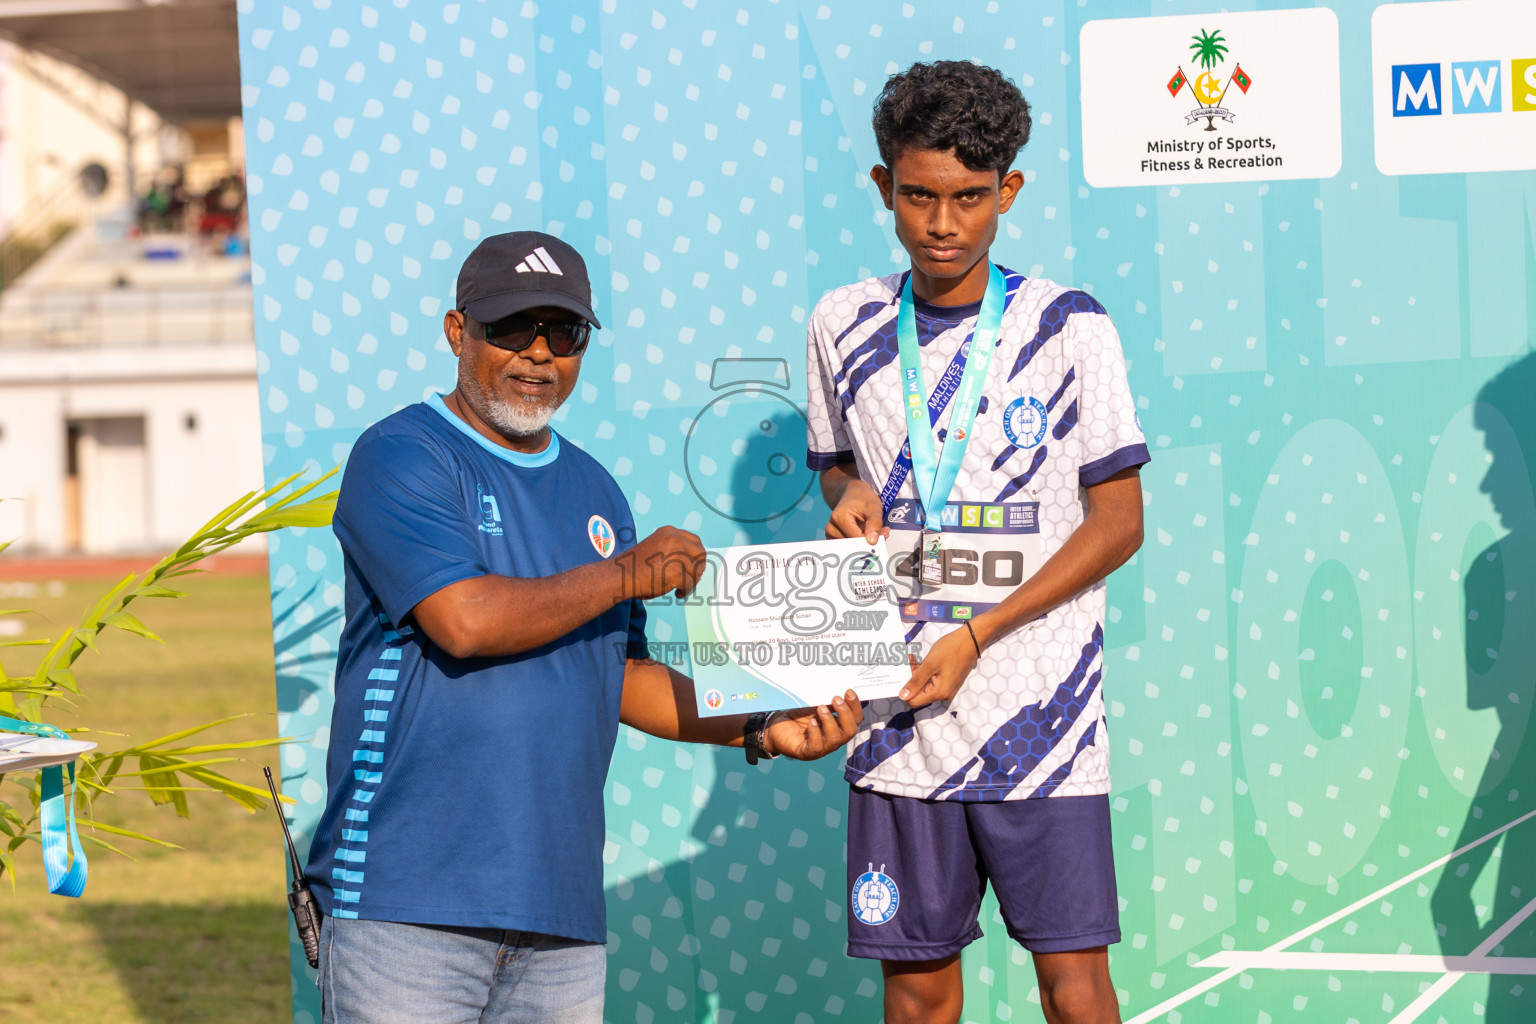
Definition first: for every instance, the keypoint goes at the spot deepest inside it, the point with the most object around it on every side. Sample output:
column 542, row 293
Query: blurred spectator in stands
column 223, row 206
column 153, row 207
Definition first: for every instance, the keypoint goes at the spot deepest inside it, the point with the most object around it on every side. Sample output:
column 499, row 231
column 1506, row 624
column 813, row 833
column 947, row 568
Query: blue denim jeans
column 379, row 972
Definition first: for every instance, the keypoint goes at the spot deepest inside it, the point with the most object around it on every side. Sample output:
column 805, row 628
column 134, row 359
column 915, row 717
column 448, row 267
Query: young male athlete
column 983, row 422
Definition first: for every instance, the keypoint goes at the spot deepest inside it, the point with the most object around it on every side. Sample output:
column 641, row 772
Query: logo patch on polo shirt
column 601, row 535
column 490, row 512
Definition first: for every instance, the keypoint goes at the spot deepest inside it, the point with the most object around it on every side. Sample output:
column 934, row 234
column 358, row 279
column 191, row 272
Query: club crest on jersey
column 875, row 897
column 601, row 535
column 1024, row 422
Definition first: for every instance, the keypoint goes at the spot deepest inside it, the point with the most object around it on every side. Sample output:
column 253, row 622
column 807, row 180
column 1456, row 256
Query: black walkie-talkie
column 306, row 912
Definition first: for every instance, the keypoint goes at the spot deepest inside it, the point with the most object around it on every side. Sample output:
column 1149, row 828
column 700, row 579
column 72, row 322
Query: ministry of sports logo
column 875, row 896
column 1165, row 101
column 601, row 535
column 714, row 698
column 1210, row 89
column 1024, row 422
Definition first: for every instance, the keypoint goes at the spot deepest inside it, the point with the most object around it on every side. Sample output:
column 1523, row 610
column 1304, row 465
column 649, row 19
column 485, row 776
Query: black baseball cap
column 519, row 270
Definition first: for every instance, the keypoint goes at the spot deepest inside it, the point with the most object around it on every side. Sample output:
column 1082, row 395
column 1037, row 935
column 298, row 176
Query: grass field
column 197, row 934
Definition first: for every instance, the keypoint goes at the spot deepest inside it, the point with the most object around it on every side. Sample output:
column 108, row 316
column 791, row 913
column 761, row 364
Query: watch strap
column 752, row 737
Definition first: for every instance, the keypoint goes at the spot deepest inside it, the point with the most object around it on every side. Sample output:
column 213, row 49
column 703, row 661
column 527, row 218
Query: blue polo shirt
column 469, row 792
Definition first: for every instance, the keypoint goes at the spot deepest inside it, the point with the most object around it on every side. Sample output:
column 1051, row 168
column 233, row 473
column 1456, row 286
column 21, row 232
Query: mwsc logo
column 1471, row 87
column 1451, row 83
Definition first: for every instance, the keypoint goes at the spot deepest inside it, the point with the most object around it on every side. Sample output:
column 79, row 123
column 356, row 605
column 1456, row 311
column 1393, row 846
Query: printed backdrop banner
column 1319, row 669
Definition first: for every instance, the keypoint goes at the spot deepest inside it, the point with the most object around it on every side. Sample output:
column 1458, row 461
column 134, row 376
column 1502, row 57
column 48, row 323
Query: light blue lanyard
column 935, row 478
column 57, row 814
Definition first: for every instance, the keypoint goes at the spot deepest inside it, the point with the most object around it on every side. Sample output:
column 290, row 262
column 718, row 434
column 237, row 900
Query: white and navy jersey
column 1056, row 416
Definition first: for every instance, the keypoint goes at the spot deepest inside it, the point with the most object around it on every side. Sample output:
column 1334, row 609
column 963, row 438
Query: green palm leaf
column 167, row 773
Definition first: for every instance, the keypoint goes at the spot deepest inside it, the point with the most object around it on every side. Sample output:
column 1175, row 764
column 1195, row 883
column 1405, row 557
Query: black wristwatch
column 752, row 737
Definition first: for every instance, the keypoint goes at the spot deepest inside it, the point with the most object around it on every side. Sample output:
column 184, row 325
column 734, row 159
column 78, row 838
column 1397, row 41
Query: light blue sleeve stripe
column 351, row 856
column 370, row 777
column 391, row 636
column 362, row 796
column 343, row 875
column 390, row 654
column 370, row 756
column 379, row 695
column 353, row 814
column 346, row 895
column 338, row 912
column 386, row 675
column 375, row 715
column 371, row 736
column 352, row 835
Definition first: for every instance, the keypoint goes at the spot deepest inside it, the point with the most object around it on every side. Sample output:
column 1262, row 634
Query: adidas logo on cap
column 520, row 270
column 539, row 262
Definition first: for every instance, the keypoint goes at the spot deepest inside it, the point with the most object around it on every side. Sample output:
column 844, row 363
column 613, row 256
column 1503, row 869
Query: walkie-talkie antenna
column 306, row 912
column 293, row 853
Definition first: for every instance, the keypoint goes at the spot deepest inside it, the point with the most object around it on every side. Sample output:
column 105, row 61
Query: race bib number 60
column 989, row 548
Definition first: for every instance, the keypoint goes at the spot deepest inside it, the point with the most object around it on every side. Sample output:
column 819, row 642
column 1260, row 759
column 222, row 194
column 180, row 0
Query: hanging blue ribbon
column 935, row 478
column 57, row 817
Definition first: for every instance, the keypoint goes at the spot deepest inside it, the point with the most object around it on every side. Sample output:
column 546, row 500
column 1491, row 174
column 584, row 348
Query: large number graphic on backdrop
column 1318, row 670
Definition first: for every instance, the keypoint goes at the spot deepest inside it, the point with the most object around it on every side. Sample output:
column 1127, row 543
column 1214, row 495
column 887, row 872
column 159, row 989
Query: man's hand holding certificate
column 777, row 626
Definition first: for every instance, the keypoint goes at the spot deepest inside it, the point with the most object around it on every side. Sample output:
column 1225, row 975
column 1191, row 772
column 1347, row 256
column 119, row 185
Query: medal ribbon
column 63, row 857
column 934, row 477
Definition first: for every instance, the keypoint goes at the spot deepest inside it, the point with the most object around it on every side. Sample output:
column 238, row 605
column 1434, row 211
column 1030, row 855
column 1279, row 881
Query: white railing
column 120, row 317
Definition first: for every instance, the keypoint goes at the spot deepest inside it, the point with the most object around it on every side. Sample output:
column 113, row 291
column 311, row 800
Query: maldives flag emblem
column 1177, row 82
column 1241, row 80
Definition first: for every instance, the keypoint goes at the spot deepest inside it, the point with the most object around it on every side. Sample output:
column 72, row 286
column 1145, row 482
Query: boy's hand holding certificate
column 775, row 626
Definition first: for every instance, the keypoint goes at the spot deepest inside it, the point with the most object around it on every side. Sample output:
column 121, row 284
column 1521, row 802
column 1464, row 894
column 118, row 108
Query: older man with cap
column 494, row 640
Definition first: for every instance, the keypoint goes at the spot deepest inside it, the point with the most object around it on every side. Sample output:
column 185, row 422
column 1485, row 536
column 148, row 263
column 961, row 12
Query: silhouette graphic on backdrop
column 1500, row 623
column 698, row 938
column 756, row 427
column 300, row 652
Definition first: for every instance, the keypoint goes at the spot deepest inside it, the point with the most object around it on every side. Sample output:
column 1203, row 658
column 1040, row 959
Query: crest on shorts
column 875, row 896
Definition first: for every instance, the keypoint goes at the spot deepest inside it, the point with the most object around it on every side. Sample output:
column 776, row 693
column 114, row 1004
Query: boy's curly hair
column 953, row 104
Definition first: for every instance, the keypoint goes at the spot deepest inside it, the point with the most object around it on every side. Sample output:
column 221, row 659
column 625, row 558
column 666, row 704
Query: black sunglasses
column 518, row 331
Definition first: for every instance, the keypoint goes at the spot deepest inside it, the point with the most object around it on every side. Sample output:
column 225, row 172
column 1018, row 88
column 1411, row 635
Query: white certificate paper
column 776, row 626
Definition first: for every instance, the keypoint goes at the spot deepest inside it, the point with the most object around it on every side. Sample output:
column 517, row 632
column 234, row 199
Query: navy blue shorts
column 917, row 870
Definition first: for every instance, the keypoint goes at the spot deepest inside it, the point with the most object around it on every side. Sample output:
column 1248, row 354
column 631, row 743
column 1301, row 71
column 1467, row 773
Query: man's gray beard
column 519, row 418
